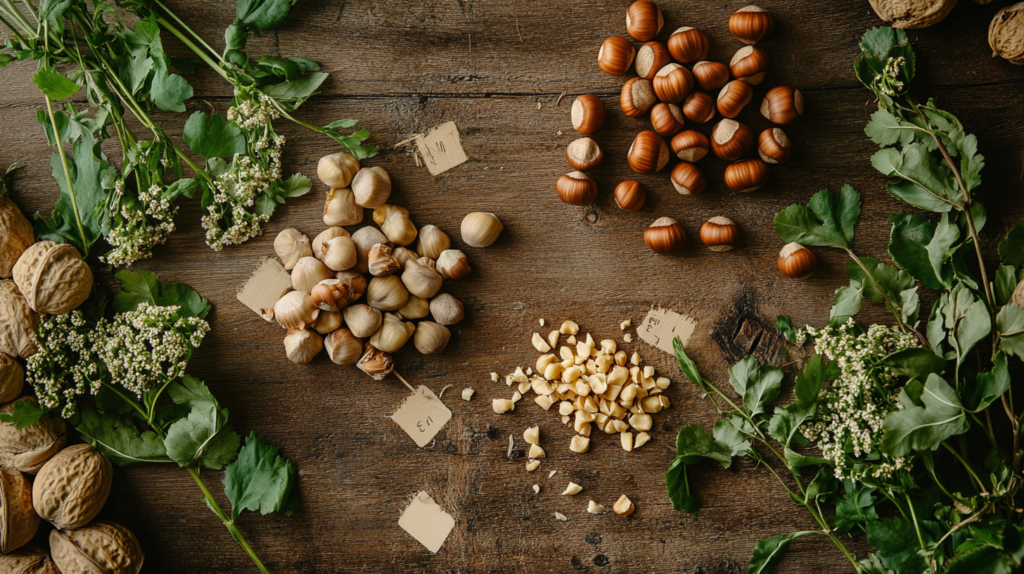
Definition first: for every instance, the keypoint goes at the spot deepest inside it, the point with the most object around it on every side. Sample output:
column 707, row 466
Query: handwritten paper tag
column 427, row 522
column 661, row 326
column 268, row 283
column 441, row 148
column 422, row 415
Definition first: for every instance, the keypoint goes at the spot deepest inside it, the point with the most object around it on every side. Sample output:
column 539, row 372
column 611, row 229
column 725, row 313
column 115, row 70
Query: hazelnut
column 297, row 310
column 796, row 261
column 711, row 76
column 730, row 140
column 302, row 346
column 364, row 239
column 690, row 145
column 783, row 105
column 1005, row 36
column 446, row 310
column 356, row 284
column 339, row 254
column 53, row 277
column 746, row 175
column 432, row 241
column 733, row 97
column 387, row 293
column 643, row 20
column 667, row 119
column 481, row 229
column 414, row 308
column 362, row 320
column 290, row 245
column 327, row 322
column 650, row 58
column 308, row 272
column 699, row 107
column 584, row 154
column 648, row 154
column 751, row 24
column 576, row 188
column 665, row 236
column 326, row 235
column 587, row 114
column 637, row 97
column 381, row 261
column 453, row 264
column 392, row 334
column 375, row 363
column 719, row 234
column 421, row 279
column 774, row 146
column 431, row 338
column 630, row 195
column 749, row 64
column 395, row 223
column 337, row 169
column 687, row 179
column 403, row 255
column 615, row 56
column 688, row 44
column 343, row 347
column 672, row 83
column 341, row 208
column 918, row 14
column 371, row 187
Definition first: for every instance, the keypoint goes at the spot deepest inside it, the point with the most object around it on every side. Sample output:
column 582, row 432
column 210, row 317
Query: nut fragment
column 572, row 489
column 446, row 309
column 536, row 489
column 540, row 344
column 536, row 451
column 467, row 393
column 502, row 406
column 561, row 517
column 627, row 441
column 27, row 449
column 623, row 506
column 375, row 363
column 569, row 328
column 595, row 508
column 579, row 444
column 532, row 435
column 72, row 487
column 101, row 547
column 532, row 465
column 641, row 439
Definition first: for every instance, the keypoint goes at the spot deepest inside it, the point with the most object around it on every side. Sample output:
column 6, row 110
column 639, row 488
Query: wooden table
column 506, row 73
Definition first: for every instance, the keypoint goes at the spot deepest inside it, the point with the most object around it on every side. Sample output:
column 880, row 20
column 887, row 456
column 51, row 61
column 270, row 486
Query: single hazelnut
column 308, row 272
column 381, row 261
column 648, row 154
column 751, row 24
column 672, row 83
column 481, row 229
column 699, row 107
column 690, row 145
column 302, row 346
column 719, row 234
column 615, row 56
column 650, row 58
column 375, row 363
column 711, row 76
column 421, row 278
column 774, row 146
column 643, row 20
column 328, row 295
column 587, row 114
column 637, row 97
column 746, row 175
column 730, row 140
column 576, row 188
column 431, row 338
column 362, row 320
column 395, row 223
column 343, row 347
column 339, row 254
column 327, row 322
column 630, row 195
column 453, row 264
column 371, row 187
column 796, row 261
column 392, row 334
column 687, row 179
column 341, row 208
column 665, row 236
column 432, row 241
column 414, row 308
column 917, row 14
column 688, row 44
column 667, row 119
column 749, row 64
column 446, row 310
column 584, row 154
column 783, row 105
column 386, row 293
column 337, row 169
column 733, row 97
column 291, row 245
column 326, row 235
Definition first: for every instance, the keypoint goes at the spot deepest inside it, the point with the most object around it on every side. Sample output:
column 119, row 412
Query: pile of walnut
column 672, row 95
column 331, row 275
column 594, row 384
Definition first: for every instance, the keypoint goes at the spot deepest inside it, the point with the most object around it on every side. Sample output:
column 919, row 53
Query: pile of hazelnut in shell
column 398, row 268
column 672, row 95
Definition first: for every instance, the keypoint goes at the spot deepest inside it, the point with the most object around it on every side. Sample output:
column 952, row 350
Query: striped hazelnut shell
column 667, row 119
column 751, row 24
column 711, row 76
column 615, row 56
column 575, row 188
column 644, row 20
column 587, row 114
column 749, row 64
column 734, row 97
column 783, row 105
column 730, row 139
column 672, row 83
column 648, row 154
column 650, row 58
column 584, row 154
column 719, row 234
column 687, row 179
column 774, row 146
column 746, row 175
column 688, row 44
column 797, row 261
column 699, row 107
column 665, row 236
column 630, row 195
column 637, row 97
column 690, row 145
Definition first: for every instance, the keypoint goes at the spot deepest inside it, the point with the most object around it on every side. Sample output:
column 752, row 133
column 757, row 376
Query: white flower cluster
column 888, row 80
column 141, row 227
column 228, row 221
column 852, row 408
column 66, row 364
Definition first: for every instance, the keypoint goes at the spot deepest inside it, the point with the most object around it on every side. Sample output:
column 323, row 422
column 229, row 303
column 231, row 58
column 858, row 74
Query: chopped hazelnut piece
column 532, row 436
column 536, row 451
column 502, row 405
column 569, row 328
column 532, row 465
column 579, row 444
column 623, row 506
column 628, row 337
column 494, row 377
column 627, row 441
column 560, row 516
column 467, row 394
column 623, row 325
column 536, row 487
column 641, row 439
column 594, row 508
column 572, row 489
column 540, row 344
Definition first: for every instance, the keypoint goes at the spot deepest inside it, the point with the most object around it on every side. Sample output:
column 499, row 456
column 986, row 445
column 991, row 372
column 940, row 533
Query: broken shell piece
column 628, row 337
column 541, row 321
column 502, row 405
column 562, row 517
column 641, row 439
column 635, row 359
column 572, row 489
column 516, row 396
column 532, row 436
column 552, row 473
column 594, row 508
column 623, row 506
column 536, row 451
column 467, row 393
column 532, row 465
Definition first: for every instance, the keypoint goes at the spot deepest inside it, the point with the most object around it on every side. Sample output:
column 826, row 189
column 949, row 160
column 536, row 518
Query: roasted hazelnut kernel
column 665, row 236
column 699, row 107
column 637, row 97
column 751, row 24
column 774, row 146
column 577, row 189
column 710, row 76
column 783, row 105
column 672, row 83
column 667, row 119
column 797, row 261
column 733, row 97
column 648, row 154
column 688, row 45
column 730, row 140
column 687, row 179
column 719, row 234
column 690, row 146
column 587, row 114
column 746, row 175
column 630, row 195
column 749, row 64
column 584, row 154
column 615, row 56
column 650, row 58
column 643, row 20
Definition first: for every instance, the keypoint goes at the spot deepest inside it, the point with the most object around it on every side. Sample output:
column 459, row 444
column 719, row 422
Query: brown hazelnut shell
column 690, row 145
column 648, row 154
column 576, row 189
column 615, row 56
column 672, row 83
column 797, row 261
column 783, row 105
column 665, row 236
column 699, row 107
column 746, row 175
column 650, row 58
column 730, row 140
column 644, row 20
column 734, row 97
column 710, row 76
column 774, row 146
column 751, row 24
column 687, row 179
column 719, row 234
column 688, row 44
column 584, row 154
column 587, row 114
column 749, row 64
column 637, row 97
column 630, row 195
column 667, row 119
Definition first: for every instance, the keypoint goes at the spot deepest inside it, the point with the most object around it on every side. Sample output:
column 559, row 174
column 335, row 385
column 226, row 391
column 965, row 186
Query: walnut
column 105, row 547
column 12, row 378
column 15, row 235
column 27, row 449
column 53, row 277
column 19, row 522
column 72, row 487
column 1006, row 34
column 28, row 560
column 18, row 322
column 912, row 13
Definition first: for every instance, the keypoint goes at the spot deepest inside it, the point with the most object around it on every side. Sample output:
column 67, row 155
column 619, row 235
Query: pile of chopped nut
column 594, row 384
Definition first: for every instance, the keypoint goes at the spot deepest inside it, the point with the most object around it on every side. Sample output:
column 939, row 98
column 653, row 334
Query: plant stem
column 230, row 524
column 198, row 51
column 913, row 517
column 967, row 465
column 185, row 26
column 893, row 308
column 67, row 176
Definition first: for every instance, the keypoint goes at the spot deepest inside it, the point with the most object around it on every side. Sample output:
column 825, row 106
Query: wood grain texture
column 404, row 66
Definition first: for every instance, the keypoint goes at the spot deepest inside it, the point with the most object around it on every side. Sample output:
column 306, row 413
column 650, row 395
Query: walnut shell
column 100, row 548
column 18, row 522
column 1005, row 36
column 53, row 277
column 72, row 487
column 912, row 13
column 12, row 378
column 29, row 448
column 18, row 322
column 28, row 560
column 15, row 235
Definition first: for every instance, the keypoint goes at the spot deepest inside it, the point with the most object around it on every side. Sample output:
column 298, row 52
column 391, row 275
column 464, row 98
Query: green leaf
column 169, row 92
column 341, row 124
column 926, row 183
column 687, row 366
column 298, row 89
column 1010, row 324
column 88, row 172
column 281, row 67
column 729, row 434
column 823, row 222
column 144, row 287
column 886, row 129
column 924, row 427
column 981, row 560
column 693, row 443
column 856, row 508
column 678, row 486
column 119, row 439
column 923, row 248
column 266, row 204
column 1011, row 248
column 54, row 84
column 213, row 136
column 756, row 384
column 845, row 304
column 785, row 326
column 873, row 565
column 897, row 544
column 885, row 281
column 295, row 186
column 795, row 460
column 1005, row 284
column 768, row 552
column 204, row 439
column 52, row 8
column 988, row 387
column 975, row 326
column 261, row 15
column 260, row 480
column 24, row 414
column 915, row 362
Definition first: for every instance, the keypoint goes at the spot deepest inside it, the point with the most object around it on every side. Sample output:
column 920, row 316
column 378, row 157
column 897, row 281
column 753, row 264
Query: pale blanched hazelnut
column 446, row 309
column 290, row 246
column 375, row 363
column 339, row 254
column 415, row 308
column 403, row 255
column 392, row 334
column 302, row 346
column 296, row 311
column 421, row 279
column 394, row 222
column 481, row 229
column 308, row 272
column 380, row 260
column 431, row 338
column 327, row 322
column 362, row 320
column 337, row 169
column 371, row 186
column 364, row 239
column 325, row 236
column 343, row 347
column 432, row 241
column 386, row 293
column 452, row 264
column 340, row 208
